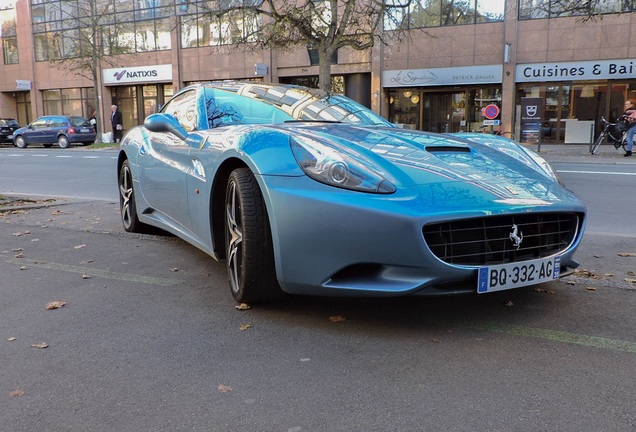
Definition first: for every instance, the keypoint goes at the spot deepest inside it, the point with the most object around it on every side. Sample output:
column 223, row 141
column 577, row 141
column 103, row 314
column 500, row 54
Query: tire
column 20, row 142
column 248, row 241
column 596, row 144
column 63, row 141
column 127, row 206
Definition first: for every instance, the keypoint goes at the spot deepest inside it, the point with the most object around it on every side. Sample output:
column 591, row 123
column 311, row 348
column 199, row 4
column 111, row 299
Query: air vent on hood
column 447, row 149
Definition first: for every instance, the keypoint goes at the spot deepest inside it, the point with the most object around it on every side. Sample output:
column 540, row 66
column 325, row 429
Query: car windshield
column 8, row 122
column 79, row 121
column 240, row 103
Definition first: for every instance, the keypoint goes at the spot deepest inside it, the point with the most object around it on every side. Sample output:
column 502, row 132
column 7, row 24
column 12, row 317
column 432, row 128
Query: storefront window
column 572, row 111
column 404, row 108
column 23, row 102
column 78, row 101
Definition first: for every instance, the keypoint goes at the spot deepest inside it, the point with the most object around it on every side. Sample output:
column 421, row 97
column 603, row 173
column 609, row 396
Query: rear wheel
column 20, row 142
column 127, row 204
column 248, row 241
column 596, row 144
column 63, row 142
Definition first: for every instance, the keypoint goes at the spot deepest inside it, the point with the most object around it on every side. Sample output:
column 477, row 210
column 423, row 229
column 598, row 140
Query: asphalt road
column 150, row 340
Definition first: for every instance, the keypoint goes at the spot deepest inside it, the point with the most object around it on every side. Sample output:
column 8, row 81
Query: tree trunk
column 324, row 68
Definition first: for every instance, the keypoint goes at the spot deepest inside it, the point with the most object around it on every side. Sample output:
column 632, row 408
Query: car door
column 53, row 128
column 163, row 167
column 34, row 134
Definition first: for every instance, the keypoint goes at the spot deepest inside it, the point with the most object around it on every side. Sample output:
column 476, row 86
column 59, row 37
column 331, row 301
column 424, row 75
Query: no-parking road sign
column 491, row 111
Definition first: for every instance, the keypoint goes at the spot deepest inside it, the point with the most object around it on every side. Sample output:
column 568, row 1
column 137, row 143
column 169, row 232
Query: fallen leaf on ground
column 337, row 318
column 244, row 327
column 57, row 212
column 82, row 246
column 17, row 393
column 543, row 290
column 55, row 304
column 509, row 303
column 40, row 345
column 84, row 276
column 20, row 255
column 609, row 274
column 242, row 306
column 590, row 288
column 174, row 269
column 24, row 268
column 630, row 280
column 17, row 234
column 11, row 339
column 224, row 389
column 627, row 254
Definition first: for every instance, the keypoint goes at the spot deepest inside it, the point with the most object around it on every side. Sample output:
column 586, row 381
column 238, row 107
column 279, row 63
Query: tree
column 322, row 25
column 91, row 34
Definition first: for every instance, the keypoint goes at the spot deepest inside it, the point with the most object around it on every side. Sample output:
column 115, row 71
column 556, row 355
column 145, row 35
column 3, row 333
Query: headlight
column 544, row 164
column 335, row 168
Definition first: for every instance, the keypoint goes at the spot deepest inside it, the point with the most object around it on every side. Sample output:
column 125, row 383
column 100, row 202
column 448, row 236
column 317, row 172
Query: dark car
column 7, row 127
column 49, row 130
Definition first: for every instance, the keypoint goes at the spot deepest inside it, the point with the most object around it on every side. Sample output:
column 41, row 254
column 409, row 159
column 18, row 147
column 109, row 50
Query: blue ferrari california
column 303, row 192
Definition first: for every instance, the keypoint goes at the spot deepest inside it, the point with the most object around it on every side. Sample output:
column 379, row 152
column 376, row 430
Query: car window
column 8, row 122
column 57, row 122
column 79, row 121
column 224, row 108
column 184, row 107
column 40, row 123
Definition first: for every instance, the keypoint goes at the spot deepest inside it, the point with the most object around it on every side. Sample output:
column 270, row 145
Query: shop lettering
column 615, row 69
column 142, row 74
column 412, row 77
column 553, row 72
column 605, row 69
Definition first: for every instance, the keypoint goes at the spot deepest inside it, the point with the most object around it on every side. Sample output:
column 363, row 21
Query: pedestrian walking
column 117, row 122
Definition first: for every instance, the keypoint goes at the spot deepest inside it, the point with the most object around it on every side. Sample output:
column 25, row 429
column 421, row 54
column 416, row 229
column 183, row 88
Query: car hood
column 439, row 163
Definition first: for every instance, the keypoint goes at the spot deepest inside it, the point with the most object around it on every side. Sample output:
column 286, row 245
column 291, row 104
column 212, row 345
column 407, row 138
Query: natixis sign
column 576, row 71
column 136, row 75
column 465, row 75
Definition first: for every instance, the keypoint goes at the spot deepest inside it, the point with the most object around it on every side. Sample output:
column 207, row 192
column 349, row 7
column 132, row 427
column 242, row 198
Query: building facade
column 478, row 66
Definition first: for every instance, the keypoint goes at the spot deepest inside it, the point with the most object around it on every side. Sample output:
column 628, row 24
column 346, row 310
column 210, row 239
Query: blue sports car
column 303, row 192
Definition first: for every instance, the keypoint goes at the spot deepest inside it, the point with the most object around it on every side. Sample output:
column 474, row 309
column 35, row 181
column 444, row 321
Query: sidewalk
column 580, row 153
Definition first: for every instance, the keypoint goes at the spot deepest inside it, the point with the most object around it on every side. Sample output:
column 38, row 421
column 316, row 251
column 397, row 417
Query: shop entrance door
column 444, row 112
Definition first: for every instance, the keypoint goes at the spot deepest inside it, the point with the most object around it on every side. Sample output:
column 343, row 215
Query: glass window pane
column 164, row 41
column 425, row 13
column 490, row 10
column 10, row 51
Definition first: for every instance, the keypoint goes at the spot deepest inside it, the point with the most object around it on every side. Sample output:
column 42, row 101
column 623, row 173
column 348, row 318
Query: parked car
column 49, row 130
column 7, row 127
column 307, row 193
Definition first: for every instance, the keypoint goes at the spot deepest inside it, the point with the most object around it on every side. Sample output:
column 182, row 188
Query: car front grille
column 495, row 239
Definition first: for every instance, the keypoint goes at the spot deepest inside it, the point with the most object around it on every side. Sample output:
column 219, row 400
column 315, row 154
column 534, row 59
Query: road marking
column 554, row 335
column 597, row 172
column 62, row 156
column 96, row 272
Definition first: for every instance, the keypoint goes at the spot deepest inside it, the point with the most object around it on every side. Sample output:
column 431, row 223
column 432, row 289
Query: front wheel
column 248, row 241
column 596, row 144
column 63, row 141
column 20, row 142
column 127, row 205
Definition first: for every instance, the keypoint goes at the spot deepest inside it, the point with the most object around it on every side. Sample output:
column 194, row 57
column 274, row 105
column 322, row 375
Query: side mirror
column 162, row 122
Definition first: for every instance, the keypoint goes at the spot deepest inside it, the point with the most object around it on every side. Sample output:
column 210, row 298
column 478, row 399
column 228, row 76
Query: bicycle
column 616, row 133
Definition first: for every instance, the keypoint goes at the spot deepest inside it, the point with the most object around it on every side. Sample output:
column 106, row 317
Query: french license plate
column 85, row 130
column 515, row 275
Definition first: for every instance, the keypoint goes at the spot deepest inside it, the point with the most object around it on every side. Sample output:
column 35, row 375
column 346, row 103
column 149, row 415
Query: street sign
column 491, row 111
column 492, row 122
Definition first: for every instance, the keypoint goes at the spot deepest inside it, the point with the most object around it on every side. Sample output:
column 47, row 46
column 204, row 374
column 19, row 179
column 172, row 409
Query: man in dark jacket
column 117, row 122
